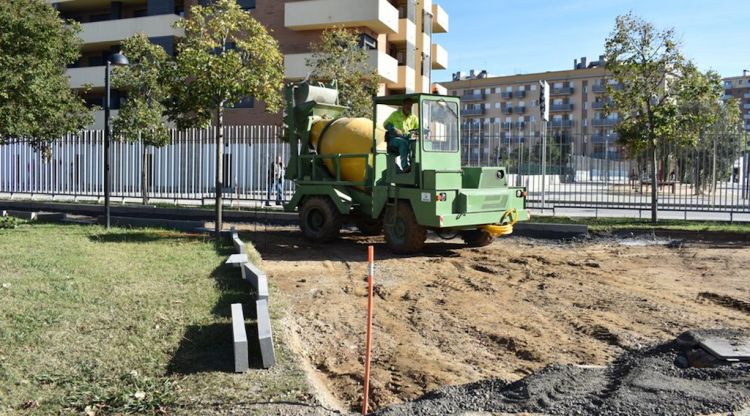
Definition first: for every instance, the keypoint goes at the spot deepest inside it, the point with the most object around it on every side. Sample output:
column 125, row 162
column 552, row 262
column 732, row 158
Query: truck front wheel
column 319, row 219
column 403, row 234
column 477, row 238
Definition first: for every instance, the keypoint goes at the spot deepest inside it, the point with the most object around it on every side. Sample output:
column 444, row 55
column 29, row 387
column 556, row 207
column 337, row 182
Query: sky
column 525, row 36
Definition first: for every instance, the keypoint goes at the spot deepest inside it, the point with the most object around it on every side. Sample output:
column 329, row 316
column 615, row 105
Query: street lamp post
column 116, row 59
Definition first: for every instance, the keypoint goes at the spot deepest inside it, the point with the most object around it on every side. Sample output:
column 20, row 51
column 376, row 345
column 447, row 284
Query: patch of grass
column 617, row 224
column 124, row 322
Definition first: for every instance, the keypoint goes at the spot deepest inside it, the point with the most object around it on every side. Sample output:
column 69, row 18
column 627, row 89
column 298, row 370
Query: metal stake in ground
column 370, row 272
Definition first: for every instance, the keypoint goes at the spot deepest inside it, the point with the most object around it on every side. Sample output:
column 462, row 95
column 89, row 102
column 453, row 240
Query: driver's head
column 406, row 106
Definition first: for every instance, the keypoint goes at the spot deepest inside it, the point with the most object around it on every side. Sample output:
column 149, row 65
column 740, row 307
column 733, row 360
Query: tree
column 715, row 151
column 141, row 116
column 36, row 102
column 659, row 91
column 225, row 57
column 339, row 56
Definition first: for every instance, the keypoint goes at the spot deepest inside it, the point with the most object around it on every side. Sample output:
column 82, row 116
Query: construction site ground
column 455, row 315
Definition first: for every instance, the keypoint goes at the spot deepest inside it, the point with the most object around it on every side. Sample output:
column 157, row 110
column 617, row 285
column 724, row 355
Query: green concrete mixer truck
column 350, row 170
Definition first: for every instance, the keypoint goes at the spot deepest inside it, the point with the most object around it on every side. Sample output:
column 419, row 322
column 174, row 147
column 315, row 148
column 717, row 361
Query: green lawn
column 124, row 322
column 615, row 224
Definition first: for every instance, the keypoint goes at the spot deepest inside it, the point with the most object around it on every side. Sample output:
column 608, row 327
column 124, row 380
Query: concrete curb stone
column 239, row 335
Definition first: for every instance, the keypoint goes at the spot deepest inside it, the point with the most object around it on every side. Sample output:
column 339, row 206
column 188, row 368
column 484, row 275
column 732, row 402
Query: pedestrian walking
column 276, row 181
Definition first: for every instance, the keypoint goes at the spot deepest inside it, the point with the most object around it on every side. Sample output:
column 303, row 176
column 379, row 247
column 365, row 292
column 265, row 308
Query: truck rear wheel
column 403, row 234
column 370, row 227
column 477, row 238
column 319, row 219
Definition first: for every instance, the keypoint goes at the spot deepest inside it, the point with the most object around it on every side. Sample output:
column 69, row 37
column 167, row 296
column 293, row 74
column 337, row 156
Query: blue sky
column 522, row 36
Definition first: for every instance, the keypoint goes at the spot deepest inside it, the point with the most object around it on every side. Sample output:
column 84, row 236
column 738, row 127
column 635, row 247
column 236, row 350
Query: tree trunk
column 654, row 183
column 219, row 169
column 144, row 176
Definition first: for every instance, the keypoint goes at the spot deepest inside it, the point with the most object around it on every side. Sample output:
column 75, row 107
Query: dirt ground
column 455, row 315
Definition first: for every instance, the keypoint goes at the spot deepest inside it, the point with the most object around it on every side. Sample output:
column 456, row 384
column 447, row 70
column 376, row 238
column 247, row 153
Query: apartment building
column 508, row 107
column 739, row 88
column 397, row 33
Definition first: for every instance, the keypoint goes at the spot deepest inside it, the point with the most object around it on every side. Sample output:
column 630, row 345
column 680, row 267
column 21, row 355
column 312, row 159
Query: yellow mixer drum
column 346, row 136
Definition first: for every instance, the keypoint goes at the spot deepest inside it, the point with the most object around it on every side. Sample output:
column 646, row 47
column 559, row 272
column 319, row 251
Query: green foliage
column 8, row 222
column 140, row 118
column 663, row 95
column 226, row 56
column 36, row 103
column 338, row 56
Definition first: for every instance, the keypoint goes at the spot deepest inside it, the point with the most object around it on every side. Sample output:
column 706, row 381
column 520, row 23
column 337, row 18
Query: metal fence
column 594, row 171
column 581, row 170
column 184, row 169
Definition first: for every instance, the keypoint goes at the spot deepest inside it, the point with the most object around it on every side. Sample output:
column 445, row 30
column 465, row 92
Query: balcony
column 507, row 95
column 561, row 123
column 520, row 94
column 507, row 110
column 521, row 109
column 746, row 116
column 598, row 105
column 439, row 89
column 406, row 79
column 378, row 15
column 605, row 138
column 439, row 57
column 472, row 97
column 439, row 19
column 604, row 122
column 746, row 106
column 602, row 88
column 295, row 66
column 561, row 91
column 386, row 65
column 473, row 112
column 407, row 33
column 520, row 125
column 561, row 107
column 114, row 31
column 92, row 75
column 747, row 95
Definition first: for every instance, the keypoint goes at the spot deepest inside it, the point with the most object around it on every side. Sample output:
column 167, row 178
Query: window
column 440, row 126
column 367, row 42
column 247, row 102
column 99, row 17
column 246, row 4
column 533, row 87
column 497, row 105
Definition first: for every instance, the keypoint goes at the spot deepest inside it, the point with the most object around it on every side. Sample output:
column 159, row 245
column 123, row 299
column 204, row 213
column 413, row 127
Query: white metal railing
column 183, row 169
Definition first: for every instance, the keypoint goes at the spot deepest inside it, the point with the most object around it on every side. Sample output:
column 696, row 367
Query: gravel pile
column 653, row 381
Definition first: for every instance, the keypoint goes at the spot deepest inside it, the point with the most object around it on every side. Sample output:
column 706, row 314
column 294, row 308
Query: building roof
column 568, row 74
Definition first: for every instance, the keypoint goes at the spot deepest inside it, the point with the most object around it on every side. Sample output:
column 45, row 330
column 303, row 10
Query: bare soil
column 456, row 315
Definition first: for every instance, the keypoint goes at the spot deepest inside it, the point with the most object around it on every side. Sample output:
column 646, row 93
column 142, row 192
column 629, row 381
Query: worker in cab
column 401, row 126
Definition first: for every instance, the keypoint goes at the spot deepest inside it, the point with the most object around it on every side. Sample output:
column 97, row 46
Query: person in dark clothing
column 276, row 181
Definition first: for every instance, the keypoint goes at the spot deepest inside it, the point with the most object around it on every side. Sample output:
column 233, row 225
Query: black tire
column 319, row 219
column 370, row 227
column 477, row 238
column 402, row 232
